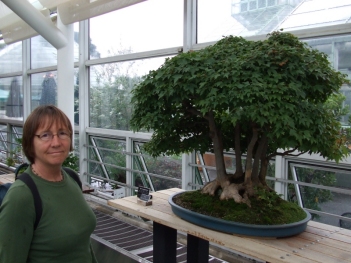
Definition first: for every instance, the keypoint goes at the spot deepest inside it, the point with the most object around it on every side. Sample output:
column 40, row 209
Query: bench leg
column 197, row 249
column 165, row 244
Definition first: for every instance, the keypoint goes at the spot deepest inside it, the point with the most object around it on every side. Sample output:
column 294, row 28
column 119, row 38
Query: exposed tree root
column 211, row 187
column 229, row 191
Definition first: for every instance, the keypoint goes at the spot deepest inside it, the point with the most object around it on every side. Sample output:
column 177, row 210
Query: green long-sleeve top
column 63, row 233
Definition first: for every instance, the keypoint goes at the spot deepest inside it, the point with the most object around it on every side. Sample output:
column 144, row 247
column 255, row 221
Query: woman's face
column 54, row 151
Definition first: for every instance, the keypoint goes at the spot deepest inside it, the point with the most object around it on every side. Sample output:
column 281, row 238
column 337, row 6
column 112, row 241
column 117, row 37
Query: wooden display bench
column 319, row 243
column 7, row 178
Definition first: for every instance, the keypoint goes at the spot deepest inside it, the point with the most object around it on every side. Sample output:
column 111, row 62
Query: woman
column 67, row 221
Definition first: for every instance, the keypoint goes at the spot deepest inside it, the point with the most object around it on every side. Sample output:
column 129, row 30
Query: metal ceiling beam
column 37, row 21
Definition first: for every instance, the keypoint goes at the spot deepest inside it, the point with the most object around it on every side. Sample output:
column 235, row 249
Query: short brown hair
column 46, row 116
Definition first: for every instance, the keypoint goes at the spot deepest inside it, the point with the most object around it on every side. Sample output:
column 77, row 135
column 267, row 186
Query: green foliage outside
column 110, row 94
column 110, row 104
column 72, row 161
column 15, row 157
column 76, row 101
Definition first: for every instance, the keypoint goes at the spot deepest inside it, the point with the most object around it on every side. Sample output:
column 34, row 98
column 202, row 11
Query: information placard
column 143, row 190
column 145, row 197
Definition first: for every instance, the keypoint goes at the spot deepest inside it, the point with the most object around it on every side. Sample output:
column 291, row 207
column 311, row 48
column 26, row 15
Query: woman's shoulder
column 18, row 189
column 18, row 197
column 72, row 176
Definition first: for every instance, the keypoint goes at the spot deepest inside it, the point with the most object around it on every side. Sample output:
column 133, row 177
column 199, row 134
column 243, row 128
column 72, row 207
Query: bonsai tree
column 259, row 98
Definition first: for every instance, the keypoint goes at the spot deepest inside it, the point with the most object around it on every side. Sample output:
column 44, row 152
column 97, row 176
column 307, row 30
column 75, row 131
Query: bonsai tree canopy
column 258, row 98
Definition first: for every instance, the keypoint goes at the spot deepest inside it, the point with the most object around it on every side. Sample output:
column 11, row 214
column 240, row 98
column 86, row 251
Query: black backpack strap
column 74, row 175
column 24, row 177
column 20, row 168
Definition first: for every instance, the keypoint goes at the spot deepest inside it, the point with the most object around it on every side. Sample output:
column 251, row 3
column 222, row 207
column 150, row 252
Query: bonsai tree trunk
column 244, row 189
column 229, row 190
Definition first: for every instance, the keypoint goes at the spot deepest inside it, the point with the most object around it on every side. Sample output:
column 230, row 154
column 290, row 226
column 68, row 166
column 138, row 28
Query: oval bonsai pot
column 236, row 227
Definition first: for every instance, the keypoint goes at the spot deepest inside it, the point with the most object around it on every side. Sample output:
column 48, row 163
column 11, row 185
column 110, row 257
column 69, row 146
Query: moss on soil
column 266, row 209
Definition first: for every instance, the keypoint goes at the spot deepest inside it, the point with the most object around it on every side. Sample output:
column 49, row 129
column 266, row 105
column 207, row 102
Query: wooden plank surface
column 7, row 178
column 319, row 243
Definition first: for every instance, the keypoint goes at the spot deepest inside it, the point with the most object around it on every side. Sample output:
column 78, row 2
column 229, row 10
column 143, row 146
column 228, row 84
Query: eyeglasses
column 48, row 136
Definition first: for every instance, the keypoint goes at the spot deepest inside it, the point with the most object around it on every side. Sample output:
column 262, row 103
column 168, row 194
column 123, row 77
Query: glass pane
column 168, row 166
column 259, row 17
column 112, row 154
column 44, row 89
column 76, row 41
column 11, row 98
column 311, row 14
column 15, row 157
column 322, row 199
column 10, row 146
column 339, row 205
column 43, row 54
column 150, row 25
column 76, row 96
column 76, row 146
column 215, row 20
column 110, row 89
column 338, row 49
column 10, row 57
column 3, row 142
column 94, row 168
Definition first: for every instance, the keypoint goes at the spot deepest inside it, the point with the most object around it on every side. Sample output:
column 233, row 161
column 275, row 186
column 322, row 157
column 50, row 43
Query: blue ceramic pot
column 239, row 228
